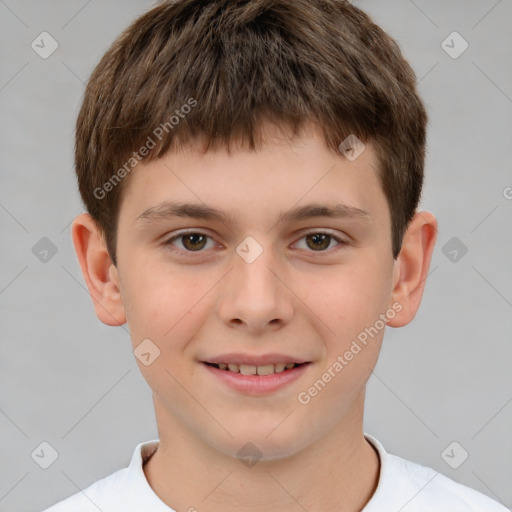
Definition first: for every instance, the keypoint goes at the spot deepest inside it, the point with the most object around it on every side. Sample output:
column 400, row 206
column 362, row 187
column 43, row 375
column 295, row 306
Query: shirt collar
column 144, row 451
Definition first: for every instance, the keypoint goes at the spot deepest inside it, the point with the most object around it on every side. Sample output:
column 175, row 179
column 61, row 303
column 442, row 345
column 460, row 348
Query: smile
column 248, row 369
column 256, row 379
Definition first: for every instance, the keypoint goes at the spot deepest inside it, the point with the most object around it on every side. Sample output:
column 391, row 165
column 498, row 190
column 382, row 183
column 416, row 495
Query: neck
column 338, row 473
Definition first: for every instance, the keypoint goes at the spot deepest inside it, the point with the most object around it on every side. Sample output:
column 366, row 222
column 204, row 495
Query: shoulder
column 430, row 490
column 125, row 490
column 412, row 487
column 99, row 494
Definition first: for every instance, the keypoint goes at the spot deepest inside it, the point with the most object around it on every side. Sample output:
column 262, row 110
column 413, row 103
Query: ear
column 99, row 272
column 411, row 267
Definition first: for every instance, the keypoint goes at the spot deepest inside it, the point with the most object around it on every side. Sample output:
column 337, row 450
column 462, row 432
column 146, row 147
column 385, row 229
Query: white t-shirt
column 403, row 486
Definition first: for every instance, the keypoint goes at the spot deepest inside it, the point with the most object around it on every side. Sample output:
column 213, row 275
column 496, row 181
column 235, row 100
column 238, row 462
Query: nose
column 255, row 297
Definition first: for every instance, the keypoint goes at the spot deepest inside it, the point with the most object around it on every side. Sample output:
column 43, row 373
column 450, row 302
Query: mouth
column 256, row 375
column 261, row 370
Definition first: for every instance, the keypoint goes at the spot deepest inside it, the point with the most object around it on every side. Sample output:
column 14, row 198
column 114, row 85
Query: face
column 257, row 260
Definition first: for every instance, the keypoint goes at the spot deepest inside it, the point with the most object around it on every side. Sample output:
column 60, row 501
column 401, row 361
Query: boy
column 252, row 171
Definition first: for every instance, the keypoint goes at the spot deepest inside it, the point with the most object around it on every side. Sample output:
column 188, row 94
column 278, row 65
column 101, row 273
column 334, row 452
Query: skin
column 295, row 299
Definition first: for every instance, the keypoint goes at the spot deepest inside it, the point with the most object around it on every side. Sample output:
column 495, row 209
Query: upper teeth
column 249, row 369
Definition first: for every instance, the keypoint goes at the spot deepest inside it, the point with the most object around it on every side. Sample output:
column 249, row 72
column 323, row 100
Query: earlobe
column 98, row 270
column 412, row 265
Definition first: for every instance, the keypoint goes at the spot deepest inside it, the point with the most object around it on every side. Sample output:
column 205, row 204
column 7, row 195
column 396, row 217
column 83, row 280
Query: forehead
column 284, row 174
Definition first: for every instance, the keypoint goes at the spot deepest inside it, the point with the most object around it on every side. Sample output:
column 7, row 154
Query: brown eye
column 318, row 241
column 194, row 241
column 190, row 242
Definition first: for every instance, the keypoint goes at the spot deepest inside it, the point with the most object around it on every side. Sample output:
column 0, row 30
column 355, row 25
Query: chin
column 256, row 444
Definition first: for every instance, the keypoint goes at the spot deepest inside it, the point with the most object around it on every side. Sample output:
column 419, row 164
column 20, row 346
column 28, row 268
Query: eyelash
column 170, row 241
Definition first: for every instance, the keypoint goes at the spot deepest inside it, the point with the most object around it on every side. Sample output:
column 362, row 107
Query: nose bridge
column 256, row 278
column 253, row 295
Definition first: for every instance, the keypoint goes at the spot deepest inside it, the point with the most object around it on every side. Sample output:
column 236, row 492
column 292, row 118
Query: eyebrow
column 170, row 209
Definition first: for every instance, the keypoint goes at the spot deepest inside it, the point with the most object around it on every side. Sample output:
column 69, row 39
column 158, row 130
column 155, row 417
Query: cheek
column 357, row 294
column 352, row 308
column 164, row 306
column 161, row 302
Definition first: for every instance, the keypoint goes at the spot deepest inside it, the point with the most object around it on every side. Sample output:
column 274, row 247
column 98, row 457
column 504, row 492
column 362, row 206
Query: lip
column 256, row 385
column 255, row 360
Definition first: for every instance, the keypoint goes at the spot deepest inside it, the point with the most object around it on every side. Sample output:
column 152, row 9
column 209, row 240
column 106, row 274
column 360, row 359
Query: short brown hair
column 238, row 63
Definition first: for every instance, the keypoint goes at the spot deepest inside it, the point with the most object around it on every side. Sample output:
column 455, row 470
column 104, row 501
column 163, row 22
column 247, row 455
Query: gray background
column 71, row 381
